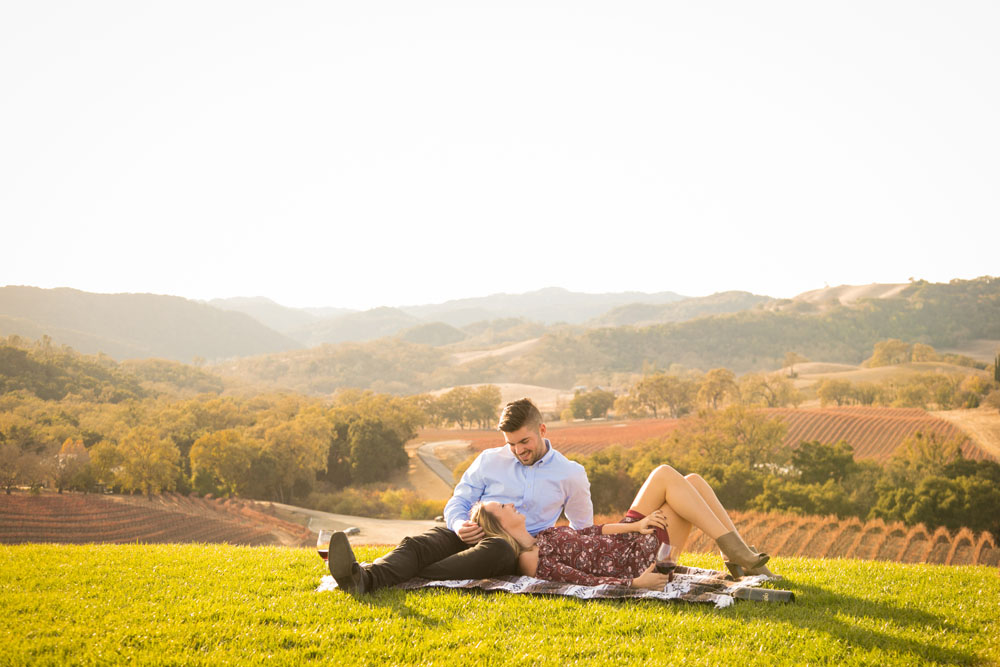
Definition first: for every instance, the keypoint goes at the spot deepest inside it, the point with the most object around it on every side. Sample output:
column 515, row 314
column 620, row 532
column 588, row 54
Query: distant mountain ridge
column 546, row 306
column 643, row 314
column 135, row 326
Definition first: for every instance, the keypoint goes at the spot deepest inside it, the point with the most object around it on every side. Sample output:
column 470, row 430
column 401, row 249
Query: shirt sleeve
column 468, row 492
column 579, row 509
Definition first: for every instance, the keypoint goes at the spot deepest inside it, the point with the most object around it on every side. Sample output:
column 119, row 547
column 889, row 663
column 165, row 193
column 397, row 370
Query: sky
column 387, row 153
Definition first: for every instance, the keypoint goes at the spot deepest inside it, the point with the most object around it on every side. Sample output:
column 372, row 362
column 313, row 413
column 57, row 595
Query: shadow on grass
column 840, row 616
column 394, row 602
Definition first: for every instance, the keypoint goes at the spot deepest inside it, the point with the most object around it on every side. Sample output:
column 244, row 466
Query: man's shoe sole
column 341, row 560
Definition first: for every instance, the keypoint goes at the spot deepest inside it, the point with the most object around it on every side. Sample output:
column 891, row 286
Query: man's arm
column 579, row 509
column 468, row 492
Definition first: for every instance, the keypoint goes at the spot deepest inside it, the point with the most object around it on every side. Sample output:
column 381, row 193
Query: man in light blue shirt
column 526, row 471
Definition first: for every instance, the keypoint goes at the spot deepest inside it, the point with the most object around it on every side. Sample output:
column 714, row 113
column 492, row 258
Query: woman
column 624, row 553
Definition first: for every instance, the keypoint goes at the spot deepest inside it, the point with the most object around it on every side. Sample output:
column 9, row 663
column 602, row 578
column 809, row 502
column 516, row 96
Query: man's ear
column 541, row 430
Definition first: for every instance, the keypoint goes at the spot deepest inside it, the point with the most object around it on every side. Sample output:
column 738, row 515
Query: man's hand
column 470, row 532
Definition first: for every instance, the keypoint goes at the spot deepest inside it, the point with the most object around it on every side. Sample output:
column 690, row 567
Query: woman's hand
column 651, row 579
column 648, row 523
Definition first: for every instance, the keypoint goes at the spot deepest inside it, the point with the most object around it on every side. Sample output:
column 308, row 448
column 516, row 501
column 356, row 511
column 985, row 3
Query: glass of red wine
column 323, row 544
column 666, row 562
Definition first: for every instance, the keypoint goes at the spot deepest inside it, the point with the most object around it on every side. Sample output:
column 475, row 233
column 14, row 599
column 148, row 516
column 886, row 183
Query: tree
column 717, row 385
column 225, row 456
column 592, row 404
column 737, row 435
column 70, row 464
column 770, row 391
column 149, row 462
column 376, row 451
column 889, row 352
column 297, row 449
column 817, row 463
column 792, row 358
column 105, row 462
column 870, row 393
column 923, row 455
column 485, row 403
column 834, row 391
column 921, row 352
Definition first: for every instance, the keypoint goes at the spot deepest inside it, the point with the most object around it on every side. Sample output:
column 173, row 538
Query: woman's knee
column 664, row 471
column 696, row 479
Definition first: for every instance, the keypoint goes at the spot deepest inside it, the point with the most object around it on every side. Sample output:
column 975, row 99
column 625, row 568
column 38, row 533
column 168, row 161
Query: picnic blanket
column 690, row 584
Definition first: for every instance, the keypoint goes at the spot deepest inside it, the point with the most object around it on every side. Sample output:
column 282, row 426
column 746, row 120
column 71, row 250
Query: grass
column 213, row 604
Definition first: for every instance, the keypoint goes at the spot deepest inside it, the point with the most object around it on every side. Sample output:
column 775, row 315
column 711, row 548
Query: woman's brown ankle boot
column 737, row 552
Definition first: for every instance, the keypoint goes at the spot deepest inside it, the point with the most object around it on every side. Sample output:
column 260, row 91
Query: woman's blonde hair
column 491, row 526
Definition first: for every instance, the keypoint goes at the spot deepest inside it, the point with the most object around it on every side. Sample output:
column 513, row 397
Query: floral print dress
column 587, row 557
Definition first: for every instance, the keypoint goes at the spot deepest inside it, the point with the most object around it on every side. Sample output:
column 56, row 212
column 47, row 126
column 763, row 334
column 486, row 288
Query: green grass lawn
column 190, row 604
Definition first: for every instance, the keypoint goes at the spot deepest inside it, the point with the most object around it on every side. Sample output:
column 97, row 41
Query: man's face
column 527, row 443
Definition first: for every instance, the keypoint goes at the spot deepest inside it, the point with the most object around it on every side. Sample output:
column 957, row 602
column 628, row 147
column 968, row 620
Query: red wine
column 323, row 553
column 666, row 567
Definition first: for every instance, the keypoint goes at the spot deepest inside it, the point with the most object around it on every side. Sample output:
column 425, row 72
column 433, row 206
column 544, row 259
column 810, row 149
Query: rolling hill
column 641, row 314
column 135, row 326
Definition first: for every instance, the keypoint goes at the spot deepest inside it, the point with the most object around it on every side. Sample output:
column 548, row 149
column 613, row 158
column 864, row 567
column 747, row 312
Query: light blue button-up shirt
column 541, row 492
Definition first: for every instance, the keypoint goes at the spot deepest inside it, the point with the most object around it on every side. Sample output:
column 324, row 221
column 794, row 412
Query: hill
column 358, row 327
column 220, row 604
column 846, row 295
column 940, row 315
column 549, row 306
column 273, row 315
column 54, row 373
column 642, row 314
column 134, row 326
column 73, row 518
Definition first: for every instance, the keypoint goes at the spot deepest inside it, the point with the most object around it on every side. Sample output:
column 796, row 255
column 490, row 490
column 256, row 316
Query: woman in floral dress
column 624, row 553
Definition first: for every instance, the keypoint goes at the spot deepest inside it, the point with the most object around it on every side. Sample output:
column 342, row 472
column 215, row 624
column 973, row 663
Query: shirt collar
column 549, row 453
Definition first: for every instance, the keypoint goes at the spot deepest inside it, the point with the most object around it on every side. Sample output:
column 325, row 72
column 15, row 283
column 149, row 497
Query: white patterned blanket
column 690, row 584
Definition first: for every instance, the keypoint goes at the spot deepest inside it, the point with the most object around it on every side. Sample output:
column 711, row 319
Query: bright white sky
column 370, row 153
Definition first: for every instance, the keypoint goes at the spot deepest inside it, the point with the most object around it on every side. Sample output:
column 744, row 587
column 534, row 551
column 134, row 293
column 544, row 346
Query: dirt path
column 427, row 481
column 371, row 531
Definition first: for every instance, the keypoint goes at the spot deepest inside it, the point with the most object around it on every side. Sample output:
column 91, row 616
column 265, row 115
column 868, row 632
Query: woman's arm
column 618, row 528
column 644, row 525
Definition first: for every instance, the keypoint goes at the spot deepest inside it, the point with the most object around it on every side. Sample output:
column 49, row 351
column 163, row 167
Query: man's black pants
column 441, row 554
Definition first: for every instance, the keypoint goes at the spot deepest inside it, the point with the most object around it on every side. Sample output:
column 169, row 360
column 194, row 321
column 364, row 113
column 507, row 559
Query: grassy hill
column 134, row 326
column 680, row 311
column 192, row 605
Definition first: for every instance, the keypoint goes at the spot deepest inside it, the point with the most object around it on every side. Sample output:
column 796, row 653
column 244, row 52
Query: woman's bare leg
column 678, row 528
column 667, row 487
column 708, row 495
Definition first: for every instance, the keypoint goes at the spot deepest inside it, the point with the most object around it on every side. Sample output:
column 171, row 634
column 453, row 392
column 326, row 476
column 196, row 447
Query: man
column 526, row 471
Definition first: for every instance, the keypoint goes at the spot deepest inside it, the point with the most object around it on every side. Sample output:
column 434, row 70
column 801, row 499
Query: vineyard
column 874, row 433
column 75, row 518
column 830, row 537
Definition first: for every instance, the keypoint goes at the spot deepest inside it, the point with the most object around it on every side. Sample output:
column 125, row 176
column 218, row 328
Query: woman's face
column 505, row 513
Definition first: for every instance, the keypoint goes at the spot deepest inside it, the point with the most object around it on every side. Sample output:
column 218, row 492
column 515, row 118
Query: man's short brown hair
column 518, row 414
